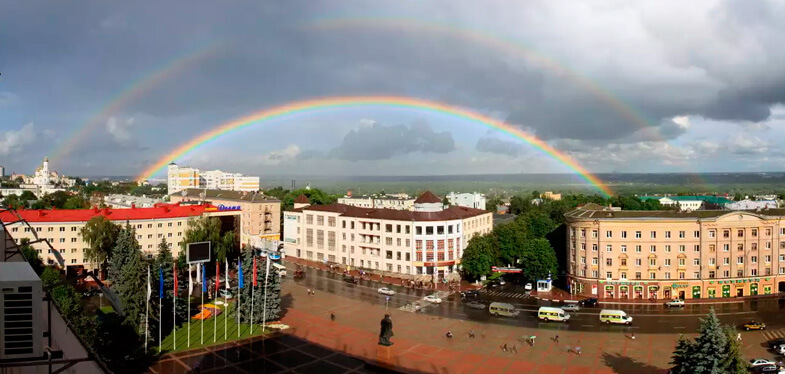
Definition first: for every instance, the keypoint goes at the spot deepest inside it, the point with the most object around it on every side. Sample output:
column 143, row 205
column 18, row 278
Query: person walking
column 738, row 337
column 514, row 349
column 577, row 351
column 332, row 316
column 504, row 347
column 632, row 335
column 449, row 334
column 531, row 340
column 556, row 338
column 471, row 333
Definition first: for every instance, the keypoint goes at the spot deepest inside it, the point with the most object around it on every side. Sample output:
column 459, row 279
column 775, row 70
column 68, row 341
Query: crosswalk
column 511, row 295
column 773, row 334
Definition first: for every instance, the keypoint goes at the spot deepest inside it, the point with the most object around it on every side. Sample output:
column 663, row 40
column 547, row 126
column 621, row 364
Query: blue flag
column 204, row 280
column 161, row 283
column 240, row 278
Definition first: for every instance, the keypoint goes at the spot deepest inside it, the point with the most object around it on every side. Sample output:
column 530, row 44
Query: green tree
column 714, row 350
column 130, row 277
column 205, row 229
column 493, row 203
column 479, row 257
column 520, row 204
column 681, row 357
column 537, row 223
column 100, row 234
column 50, row 278
column 76, row 202
column 272, row 287
column 31, row 255
column 733, row 360
column 510, row 239
column 539, row 259
column 314, row 195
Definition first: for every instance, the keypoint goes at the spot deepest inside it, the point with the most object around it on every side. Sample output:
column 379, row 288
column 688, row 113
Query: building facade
column 427, row 242
column 180, row 178
column 474, row 200
column 117, row 201
column 669, row 254
column 62, row 228
column 261, row 215
column 397, row 201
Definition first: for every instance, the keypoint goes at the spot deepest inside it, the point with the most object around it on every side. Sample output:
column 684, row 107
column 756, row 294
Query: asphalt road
column 646, row 318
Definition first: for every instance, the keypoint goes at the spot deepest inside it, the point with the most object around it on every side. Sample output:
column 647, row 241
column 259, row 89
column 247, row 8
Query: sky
column 108, row 88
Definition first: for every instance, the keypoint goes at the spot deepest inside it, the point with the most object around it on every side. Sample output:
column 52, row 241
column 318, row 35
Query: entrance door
column 781, row 287
column 652, row 293
column 696, row 292
column 726, row 290
column 739, row 292
column 638, row 292
column 681, row 295
column 609, row 292
column 753, row 289
column 667, row 293
column 712, row 293
column 623, row 292
column 299, row 255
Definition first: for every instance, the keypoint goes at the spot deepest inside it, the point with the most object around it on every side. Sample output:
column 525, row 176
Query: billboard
column 198, row 252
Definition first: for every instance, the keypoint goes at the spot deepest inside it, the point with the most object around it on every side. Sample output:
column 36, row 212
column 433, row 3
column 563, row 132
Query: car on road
column 754, row 325
column 760, row 362
column 528, row 287
column 571, row 307
column 589, row 302
column 501, row 282
column 468, row 294
column 774, row 343
column 503, row 309
column 475, row 305
column 780, row 349
column 768, row 369
column 675, row 303
column 386, row 291
column 432, row 299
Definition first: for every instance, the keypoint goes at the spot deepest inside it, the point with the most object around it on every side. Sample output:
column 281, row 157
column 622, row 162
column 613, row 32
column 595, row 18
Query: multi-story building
column 550, row 195
column 665, row 254
column 427, row 241
column 397, row 201
column 118, row 201
column 474, row 200
column 62, row 228
column 261, row 215
column 181, row 178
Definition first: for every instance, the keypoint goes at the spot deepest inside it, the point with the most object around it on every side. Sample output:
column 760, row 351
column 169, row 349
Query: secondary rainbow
column 329, row 103
column 143, row 84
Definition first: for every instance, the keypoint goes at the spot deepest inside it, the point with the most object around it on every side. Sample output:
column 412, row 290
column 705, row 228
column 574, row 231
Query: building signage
column 228, row 207
column 497, row 269
column 290, row 240
column 622, row 282
column 440, row 263
column 738, row 281
column 680, row 285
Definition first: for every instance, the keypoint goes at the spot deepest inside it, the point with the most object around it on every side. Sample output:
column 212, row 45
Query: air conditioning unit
column 21, row 321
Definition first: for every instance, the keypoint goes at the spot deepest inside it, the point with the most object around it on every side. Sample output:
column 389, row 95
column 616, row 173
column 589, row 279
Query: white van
column 503, row 309
column 615, row 316
column 281, row 269
column 547, row 313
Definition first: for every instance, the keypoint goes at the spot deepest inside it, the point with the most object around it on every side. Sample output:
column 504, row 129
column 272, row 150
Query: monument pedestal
column 384, row 355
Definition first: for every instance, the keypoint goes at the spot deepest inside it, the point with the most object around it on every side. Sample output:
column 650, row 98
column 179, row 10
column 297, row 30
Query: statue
column 386, row 332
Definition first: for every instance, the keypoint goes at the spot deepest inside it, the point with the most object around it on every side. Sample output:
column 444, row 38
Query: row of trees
column 714, row 350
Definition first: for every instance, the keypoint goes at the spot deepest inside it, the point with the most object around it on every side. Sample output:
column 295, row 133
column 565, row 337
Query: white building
column 470, row 200
column 2, row 171
column 129, row 201
column 394, row 201
column 181, row 178
column 428, row 241
column 751, row 205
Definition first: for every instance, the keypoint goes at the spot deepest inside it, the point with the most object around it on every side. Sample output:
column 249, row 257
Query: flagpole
column 202, row 306
column 226, row 296
column 264, row 307
column 147, row 312
column 217, row 283
column 160, row 322
column 253, row 283
column 188, row 305
column 239, row 286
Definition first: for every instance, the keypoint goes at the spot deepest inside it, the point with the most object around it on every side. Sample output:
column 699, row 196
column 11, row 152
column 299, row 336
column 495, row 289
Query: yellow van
column 615, row 316
column 547, row 313
column 503, row 309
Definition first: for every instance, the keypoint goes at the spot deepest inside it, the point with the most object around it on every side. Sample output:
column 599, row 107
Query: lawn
column 210, row 327
column 106, row 309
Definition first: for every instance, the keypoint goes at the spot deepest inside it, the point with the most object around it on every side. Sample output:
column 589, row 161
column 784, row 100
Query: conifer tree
column 130, row 278
column 273, row 288
column 681, row 357
column 709, row 346
column 733, row 361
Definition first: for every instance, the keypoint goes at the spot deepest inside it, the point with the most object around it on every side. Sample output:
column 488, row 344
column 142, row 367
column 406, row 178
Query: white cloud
column 683, row 121
column 276, row 157
column 119, row 130
column 15, row 140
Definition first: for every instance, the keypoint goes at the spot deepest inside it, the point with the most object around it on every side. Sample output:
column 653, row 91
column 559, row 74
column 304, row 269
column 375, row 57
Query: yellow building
column 617, row 254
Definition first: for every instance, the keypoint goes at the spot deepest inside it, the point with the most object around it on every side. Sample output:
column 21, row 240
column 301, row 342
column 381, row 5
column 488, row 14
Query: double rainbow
column 331, row 103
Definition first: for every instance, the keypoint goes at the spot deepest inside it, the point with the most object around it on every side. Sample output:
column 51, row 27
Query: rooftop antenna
column 293, row 184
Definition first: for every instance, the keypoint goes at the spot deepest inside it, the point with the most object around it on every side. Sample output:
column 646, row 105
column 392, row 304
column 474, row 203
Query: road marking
column 587, row 325
column 679, row 327
column 773, row 334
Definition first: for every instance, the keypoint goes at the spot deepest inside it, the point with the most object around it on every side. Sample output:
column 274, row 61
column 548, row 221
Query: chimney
column 349, row 193
column 133, row 205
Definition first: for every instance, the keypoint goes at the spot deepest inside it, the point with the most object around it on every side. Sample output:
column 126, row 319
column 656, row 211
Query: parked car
column 475, row 305
column 780, row 349
column 386, row 291
column 501, row 282
column 528, row 287
column 350, row 280
column 768, row 369
column 754, row 325
column 571, row 307
column 226, row 293
column 675, row 303
column 432, row 299
column 589, row 302
column 760, row 362
column 469, row 294
column 774, row 343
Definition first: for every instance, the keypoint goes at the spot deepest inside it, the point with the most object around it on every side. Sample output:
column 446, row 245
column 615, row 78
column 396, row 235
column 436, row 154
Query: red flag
column 175, row 279
column 254, row 271
column 217, row 276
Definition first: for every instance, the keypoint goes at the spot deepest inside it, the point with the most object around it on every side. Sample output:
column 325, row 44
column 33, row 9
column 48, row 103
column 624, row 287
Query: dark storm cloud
column 379, row 142
column 499, row 146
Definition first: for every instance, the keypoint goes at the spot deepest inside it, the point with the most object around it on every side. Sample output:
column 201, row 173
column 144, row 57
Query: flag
column 160, row 283
column 254, row 271
column 204, row 279
column 190, row 282
column 267, row 271
column 217, row 277
column 240, row 279
column 227, row 274
column 174, row 274
column 149, row 287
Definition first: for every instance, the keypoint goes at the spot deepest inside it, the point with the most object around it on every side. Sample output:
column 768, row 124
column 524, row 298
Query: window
column 768, row 232
column 653, row 248
column 440, row 230
column 712, row 261
column 609, row 234
column 753, row 272
column 652, row 262
column 667, row 234
column 624, row 248
column 320, row 221
column 681, row 275
column 711, row 274
column 726, row 247
column 637, row 262
column 583, row 233
column 583, row 260
column 696, row 261
column 169, row 224
column 595, row 273
column 594, row 247
column 309, row 219
column 609, row 275
column 712, row 233
column 73, row 240
column 740, row 260
column 667, row 275
column 398, row 242
column 593, row 233
column 726, row 261
column 652, row 275
column 609, row 262
column 160, row 225
column 429, row 230
column 331, row 221
column 623, row 275
column 667, row 248
column 740, row 246
column 418, row 230
column 408, row 243
column 697, row 248
column 609, row 248
column 767, row 258
column 768, row 245
column 624, row 234
column 681, row 234
column 754, row 232
column 50, row 229
column 654, row 235
column 754, row 246
column 594, row 261
column 637, row 234
column 726, row 233
column 638, row 275
column 754, row 259
column 682, row 248
column 741, row 233
column 388, row 241
column 712, row 248
column 623, row 262
column 726, row 273
column 682, row 262
column 74, row 228
column 667, row 262
column 62, row 229
column 388, row 228
column 638, row 249
column 62, row 240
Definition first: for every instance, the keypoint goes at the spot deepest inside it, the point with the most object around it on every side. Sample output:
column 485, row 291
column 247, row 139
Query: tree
column 493, row 203
column 715, row 350
column 205, row 229
column 76, row 202
column 50, row 278
column 539, row 259
column 31, row 255
column 519, row 204
column 163, row 260
column 479, row 256
column 130, row 277
column 100, row 234
column 511, row 239
column 272, row 286
column 314, row 195
column 537, row 223
column 733, row 360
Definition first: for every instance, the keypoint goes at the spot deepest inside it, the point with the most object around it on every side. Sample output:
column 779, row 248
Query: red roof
column 84, row 215
column 302, row 199
column 451, row 213
column 427, row 197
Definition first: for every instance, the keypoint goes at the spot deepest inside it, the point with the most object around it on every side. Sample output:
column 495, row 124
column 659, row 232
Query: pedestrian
column 332, row 316
column 471, row 333
column 504, row 347
column 577, row 351
column 556, row 338
column 514, row 349
column 531, row 340
column 632, row 335
column 738, row 337
column 309, row 291
column 449, row 334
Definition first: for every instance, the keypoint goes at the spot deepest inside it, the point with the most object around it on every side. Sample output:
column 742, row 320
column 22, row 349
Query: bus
column 615, row 316
column 281, row 268
column 547, row 313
